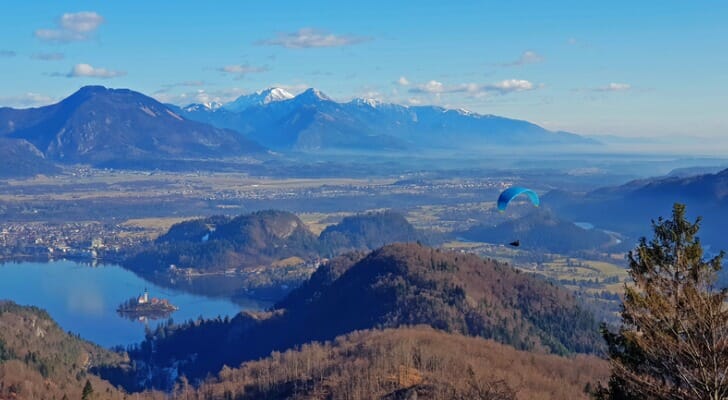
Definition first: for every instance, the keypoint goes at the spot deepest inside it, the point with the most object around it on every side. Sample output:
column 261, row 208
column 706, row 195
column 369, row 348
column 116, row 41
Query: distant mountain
column 630, row 207
column 313, row 121
column 19, row 158
column 693, row 171
column 259, row 98
column 97, row 124
column 397, row 285
column 541, row 230
column 211, row 106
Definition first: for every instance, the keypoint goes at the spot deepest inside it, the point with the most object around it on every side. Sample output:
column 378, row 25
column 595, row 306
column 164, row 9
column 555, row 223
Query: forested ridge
column 397, row 285
column 38, row 360
column 219, row 243
column 404, row 363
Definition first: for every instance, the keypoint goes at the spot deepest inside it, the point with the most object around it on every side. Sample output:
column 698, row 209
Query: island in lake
column 143, row 307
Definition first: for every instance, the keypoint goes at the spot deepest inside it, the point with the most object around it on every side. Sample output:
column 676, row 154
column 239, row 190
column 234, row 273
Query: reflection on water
column 84, row 299
column 584, row 225
column 146, row 318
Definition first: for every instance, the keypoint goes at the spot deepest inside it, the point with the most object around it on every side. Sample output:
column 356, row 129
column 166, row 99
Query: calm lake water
column 83, row 299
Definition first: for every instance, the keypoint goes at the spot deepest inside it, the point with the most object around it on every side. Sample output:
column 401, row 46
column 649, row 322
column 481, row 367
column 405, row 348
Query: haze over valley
column 362, row 201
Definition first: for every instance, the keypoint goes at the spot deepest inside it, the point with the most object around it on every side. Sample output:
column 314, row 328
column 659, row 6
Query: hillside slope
column 408, row 363
column 20, row 159
column 541, row 230
column 220, row 243
column 628, row 208
column 39, row 360
column 397, row 285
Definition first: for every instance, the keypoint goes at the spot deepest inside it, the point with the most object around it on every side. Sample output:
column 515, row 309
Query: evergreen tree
column 673, row 343
column 88, row 390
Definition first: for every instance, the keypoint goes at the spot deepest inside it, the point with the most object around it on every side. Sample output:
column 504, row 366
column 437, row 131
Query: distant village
column 78, row 240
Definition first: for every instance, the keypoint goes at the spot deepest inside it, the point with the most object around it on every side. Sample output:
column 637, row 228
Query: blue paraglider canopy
column 515, row 191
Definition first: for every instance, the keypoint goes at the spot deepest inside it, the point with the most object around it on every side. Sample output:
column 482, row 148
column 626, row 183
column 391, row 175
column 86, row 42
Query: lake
column 83, row 299
column 584, row 225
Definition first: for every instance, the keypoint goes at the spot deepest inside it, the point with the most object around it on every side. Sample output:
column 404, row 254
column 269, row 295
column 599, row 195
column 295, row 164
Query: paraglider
column 509, row 194
column 514, row 191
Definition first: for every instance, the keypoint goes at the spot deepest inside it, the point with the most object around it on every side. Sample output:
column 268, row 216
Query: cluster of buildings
column 69, row 240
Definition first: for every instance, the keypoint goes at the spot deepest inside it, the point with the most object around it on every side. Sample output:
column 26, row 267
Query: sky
column 626, row 68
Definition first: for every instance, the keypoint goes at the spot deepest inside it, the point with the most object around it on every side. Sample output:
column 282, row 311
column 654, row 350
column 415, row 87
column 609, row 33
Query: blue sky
column 626, row 68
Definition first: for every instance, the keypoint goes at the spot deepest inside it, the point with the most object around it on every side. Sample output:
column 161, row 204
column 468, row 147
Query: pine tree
column 88, row 390
column 673, row 343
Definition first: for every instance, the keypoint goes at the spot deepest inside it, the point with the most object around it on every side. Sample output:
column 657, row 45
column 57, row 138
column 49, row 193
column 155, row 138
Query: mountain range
column 97, row 124
column 313, row 121
column 628, row 208
column 121, row 128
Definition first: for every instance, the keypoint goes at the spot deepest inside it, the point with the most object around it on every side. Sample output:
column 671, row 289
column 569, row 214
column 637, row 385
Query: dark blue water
column 83, row 299
column 584, row 225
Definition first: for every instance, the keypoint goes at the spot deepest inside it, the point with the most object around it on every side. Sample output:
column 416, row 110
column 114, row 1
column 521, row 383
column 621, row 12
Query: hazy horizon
column 560, row 66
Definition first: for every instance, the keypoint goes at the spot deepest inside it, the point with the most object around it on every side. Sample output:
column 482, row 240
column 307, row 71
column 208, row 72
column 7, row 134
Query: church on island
column 143, row 306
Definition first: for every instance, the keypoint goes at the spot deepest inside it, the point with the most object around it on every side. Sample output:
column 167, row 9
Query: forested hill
column 541, row 230
column 219, row 243
column 397, row 285
column 39, row 360
column 368, row 231
column 406, row 363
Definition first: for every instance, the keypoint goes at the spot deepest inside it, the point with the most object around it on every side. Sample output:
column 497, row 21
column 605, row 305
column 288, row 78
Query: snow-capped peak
column 275, row 94
column 259, row 98
column 315, row 94
column 208, row 106
column 373, row 103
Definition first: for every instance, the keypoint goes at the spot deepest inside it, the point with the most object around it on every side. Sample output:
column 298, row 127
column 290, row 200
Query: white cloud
column 49, row 56
column 241, row 70
column 185, row 98
column 87, row 70
column 200, row 96
column 308, row 38
column 29, row 99
column 614, row 87
column 85, row 21
column 510, row 85
column 475, row 89
column 7, row 53
column 434, row 87
column 72, row 27
column 402, row 81
column 528, row 57
column 572, row 41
